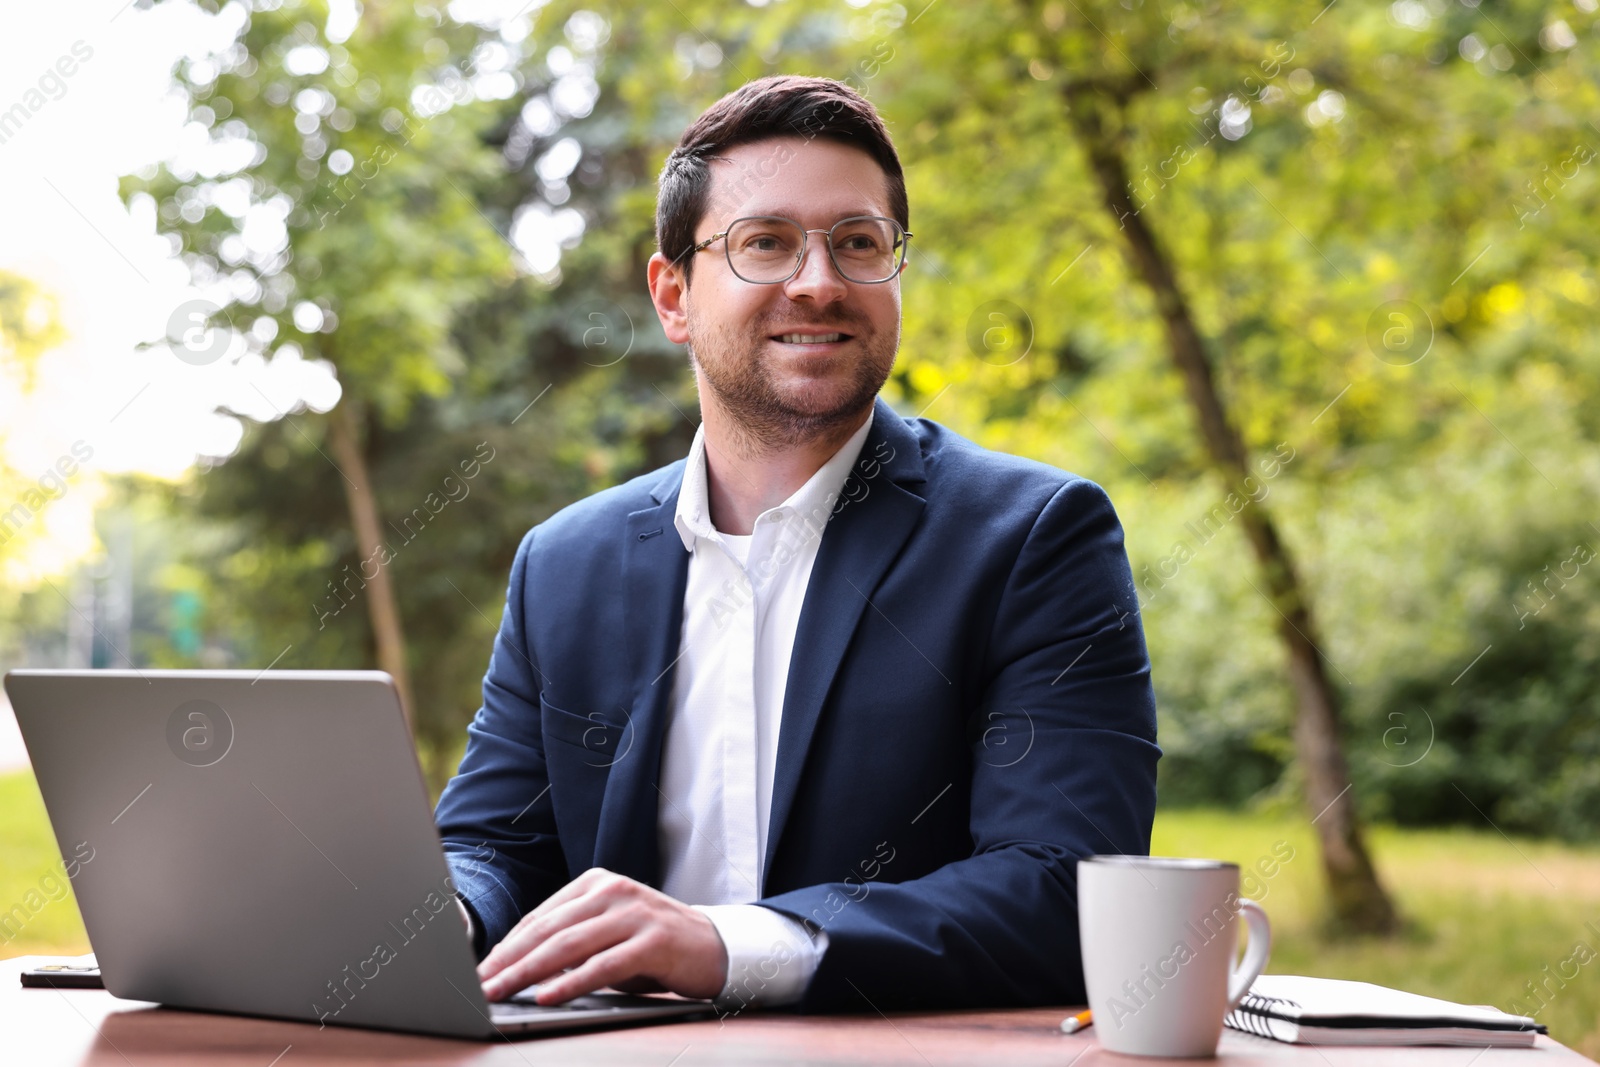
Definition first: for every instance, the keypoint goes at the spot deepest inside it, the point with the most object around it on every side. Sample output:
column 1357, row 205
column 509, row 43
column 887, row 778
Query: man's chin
column 821, row 403
column 782, row 398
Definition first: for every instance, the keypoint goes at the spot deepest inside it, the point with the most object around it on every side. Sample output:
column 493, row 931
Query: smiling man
column 824, row 714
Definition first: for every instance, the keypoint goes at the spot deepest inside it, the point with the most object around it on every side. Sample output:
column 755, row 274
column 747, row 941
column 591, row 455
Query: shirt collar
column 693, row 516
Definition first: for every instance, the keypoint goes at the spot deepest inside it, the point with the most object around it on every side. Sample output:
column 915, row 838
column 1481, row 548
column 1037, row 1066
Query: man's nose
column 817, row 278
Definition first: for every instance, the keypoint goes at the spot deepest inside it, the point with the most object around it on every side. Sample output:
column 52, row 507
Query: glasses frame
column 805, row 243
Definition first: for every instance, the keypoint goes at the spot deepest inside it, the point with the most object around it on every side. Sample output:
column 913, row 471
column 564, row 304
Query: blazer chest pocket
column 599, row 740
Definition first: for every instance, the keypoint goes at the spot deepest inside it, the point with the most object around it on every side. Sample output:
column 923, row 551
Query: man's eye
column 765, row 244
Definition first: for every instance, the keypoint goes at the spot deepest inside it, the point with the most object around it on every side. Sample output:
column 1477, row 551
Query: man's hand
column 612, row 931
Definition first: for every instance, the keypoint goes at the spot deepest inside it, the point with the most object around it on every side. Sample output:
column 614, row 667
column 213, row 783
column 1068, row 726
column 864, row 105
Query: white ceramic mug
column 1159, row 940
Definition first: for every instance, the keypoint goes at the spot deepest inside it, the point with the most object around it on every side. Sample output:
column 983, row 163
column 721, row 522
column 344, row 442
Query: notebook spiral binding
column 1252, row 1014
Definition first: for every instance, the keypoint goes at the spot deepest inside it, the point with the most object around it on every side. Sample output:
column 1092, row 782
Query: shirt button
column 775, row 517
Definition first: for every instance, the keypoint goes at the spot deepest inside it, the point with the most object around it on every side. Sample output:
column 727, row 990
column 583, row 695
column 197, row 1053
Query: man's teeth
column 810, row 339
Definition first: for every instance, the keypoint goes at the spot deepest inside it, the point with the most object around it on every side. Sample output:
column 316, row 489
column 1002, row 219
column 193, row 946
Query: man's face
column 780, row 390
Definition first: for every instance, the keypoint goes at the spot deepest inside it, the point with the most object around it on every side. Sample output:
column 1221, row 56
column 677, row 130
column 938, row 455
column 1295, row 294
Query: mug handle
column 1256, row 953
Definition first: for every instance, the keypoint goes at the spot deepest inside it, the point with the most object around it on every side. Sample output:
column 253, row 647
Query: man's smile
column 812, row 339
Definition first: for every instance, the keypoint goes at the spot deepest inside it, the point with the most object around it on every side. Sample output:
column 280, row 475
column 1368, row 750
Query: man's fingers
column 615, row 964
column 562, row 949
column 533, row 931
column 565, row 948
column 612, row 931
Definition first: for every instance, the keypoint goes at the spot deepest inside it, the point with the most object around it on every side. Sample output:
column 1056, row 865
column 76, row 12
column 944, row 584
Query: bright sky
column 117, row 283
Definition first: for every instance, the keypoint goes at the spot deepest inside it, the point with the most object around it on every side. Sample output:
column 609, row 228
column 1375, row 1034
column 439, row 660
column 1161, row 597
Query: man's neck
column 745, row 478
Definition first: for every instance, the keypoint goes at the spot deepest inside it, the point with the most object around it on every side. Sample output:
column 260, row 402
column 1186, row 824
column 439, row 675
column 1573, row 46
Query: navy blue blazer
column 968, row 712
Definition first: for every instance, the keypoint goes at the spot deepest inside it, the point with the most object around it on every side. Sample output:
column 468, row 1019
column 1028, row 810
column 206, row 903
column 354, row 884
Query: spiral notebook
column 1327, row 1011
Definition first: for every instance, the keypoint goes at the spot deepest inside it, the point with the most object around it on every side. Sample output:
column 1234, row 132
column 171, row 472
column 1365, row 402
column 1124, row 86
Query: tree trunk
column 345, row 438
column 1359, row 901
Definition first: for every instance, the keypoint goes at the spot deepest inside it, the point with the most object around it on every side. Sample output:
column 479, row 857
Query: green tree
column 344, row 228
column 1264, row 236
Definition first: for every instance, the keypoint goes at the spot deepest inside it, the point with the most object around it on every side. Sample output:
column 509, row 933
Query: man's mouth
column 811, row 338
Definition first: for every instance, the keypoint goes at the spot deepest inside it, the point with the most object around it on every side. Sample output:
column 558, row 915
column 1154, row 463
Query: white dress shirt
column 741, row 608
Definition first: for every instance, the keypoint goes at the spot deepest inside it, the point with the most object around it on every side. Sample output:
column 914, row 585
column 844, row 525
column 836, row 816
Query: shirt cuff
column 771, row 957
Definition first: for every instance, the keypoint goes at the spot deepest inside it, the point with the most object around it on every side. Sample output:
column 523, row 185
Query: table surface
column 44, row 1027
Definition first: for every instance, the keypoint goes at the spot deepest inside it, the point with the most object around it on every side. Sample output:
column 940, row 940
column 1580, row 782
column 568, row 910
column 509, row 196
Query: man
column 825, row 714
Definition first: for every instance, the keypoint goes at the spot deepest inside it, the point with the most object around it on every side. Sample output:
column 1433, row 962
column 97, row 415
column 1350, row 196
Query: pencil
column 1081, row 1021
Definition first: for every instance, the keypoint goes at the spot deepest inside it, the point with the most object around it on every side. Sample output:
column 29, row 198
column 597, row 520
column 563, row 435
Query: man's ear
column 669, row 293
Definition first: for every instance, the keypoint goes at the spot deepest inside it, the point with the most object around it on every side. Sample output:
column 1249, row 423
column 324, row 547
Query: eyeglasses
column 768, row 250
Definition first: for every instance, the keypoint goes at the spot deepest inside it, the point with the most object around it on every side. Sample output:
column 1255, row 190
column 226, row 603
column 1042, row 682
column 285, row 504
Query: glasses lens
column 868, row 249
column 764, row 250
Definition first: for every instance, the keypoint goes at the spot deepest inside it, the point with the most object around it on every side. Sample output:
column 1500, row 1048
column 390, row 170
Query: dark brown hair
column 782, row 105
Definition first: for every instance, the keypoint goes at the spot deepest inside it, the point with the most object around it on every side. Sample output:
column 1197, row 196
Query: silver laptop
column 263, row 844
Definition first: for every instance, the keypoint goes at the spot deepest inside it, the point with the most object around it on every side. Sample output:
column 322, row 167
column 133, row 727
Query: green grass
column 1486, row 915
column 30, row 869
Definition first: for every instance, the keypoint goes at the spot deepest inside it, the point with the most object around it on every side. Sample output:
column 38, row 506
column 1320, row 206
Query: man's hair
column 782, row 105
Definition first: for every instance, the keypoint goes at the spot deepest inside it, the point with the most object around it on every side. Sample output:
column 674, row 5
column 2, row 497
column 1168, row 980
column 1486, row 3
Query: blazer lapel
column 858, row 545
column 655, row 571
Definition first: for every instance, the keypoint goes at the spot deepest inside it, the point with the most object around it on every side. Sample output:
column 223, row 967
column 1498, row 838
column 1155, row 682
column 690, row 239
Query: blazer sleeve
column 495, row 817
column 1066, row 667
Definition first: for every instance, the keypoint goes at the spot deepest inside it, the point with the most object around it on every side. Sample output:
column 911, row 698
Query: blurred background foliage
column 1312, row 171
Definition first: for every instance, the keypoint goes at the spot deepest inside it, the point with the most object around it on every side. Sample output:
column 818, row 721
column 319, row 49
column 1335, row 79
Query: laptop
column 262, row 844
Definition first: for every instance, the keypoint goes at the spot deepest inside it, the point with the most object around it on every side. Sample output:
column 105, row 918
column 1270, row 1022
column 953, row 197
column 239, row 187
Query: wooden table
column 45, row 1027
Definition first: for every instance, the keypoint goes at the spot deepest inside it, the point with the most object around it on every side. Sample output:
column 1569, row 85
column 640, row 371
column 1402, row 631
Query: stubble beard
column 766, row 415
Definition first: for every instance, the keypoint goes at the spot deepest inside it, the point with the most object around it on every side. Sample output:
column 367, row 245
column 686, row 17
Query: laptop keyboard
column 519, row 1008
column 523, row 1006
